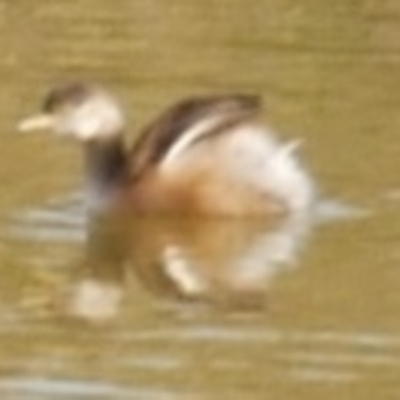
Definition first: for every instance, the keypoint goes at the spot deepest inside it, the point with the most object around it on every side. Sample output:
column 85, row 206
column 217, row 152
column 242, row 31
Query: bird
column 203, row 156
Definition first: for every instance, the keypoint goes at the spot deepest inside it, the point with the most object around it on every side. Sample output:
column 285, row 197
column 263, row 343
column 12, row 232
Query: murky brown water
column 289, row 311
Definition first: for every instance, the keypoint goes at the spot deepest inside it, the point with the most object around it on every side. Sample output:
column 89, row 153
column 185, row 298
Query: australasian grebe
column 202, row 156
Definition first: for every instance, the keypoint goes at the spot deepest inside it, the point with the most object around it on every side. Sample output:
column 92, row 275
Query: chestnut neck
column 106, row 171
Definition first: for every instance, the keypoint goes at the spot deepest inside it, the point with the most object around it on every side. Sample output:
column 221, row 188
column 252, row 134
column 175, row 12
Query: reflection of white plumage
column 203, row 156
column 245, row 259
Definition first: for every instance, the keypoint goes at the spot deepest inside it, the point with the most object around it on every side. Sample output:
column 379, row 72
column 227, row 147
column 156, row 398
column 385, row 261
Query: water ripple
column 29, row 388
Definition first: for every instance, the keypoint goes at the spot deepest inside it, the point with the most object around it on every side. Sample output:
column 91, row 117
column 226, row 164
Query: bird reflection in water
column 224, row 262
column 202, row 157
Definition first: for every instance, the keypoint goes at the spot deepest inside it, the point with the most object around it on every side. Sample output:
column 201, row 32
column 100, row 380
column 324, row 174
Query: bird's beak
column 37, row 122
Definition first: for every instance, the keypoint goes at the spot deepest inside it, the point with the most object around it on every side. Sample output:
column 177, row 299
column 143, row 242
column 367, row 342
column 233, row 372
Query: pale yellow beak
column 37, row 122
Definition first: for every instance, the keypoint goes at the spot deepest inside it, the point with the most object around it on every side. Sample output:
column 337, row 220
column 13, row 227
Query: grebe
column 202, row 156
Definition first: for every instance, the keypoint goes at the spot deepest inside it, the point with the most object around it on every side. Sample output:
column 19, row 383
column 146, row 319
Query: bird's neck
column 106, row 171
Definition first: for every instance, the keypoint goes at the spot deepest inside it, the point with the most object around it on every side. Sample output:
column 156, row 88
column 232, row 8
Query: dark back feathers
column 157, row 138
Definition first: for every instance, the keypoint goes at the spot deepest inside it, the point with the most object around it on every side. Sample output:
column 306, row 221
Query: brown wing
column 158, row 137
